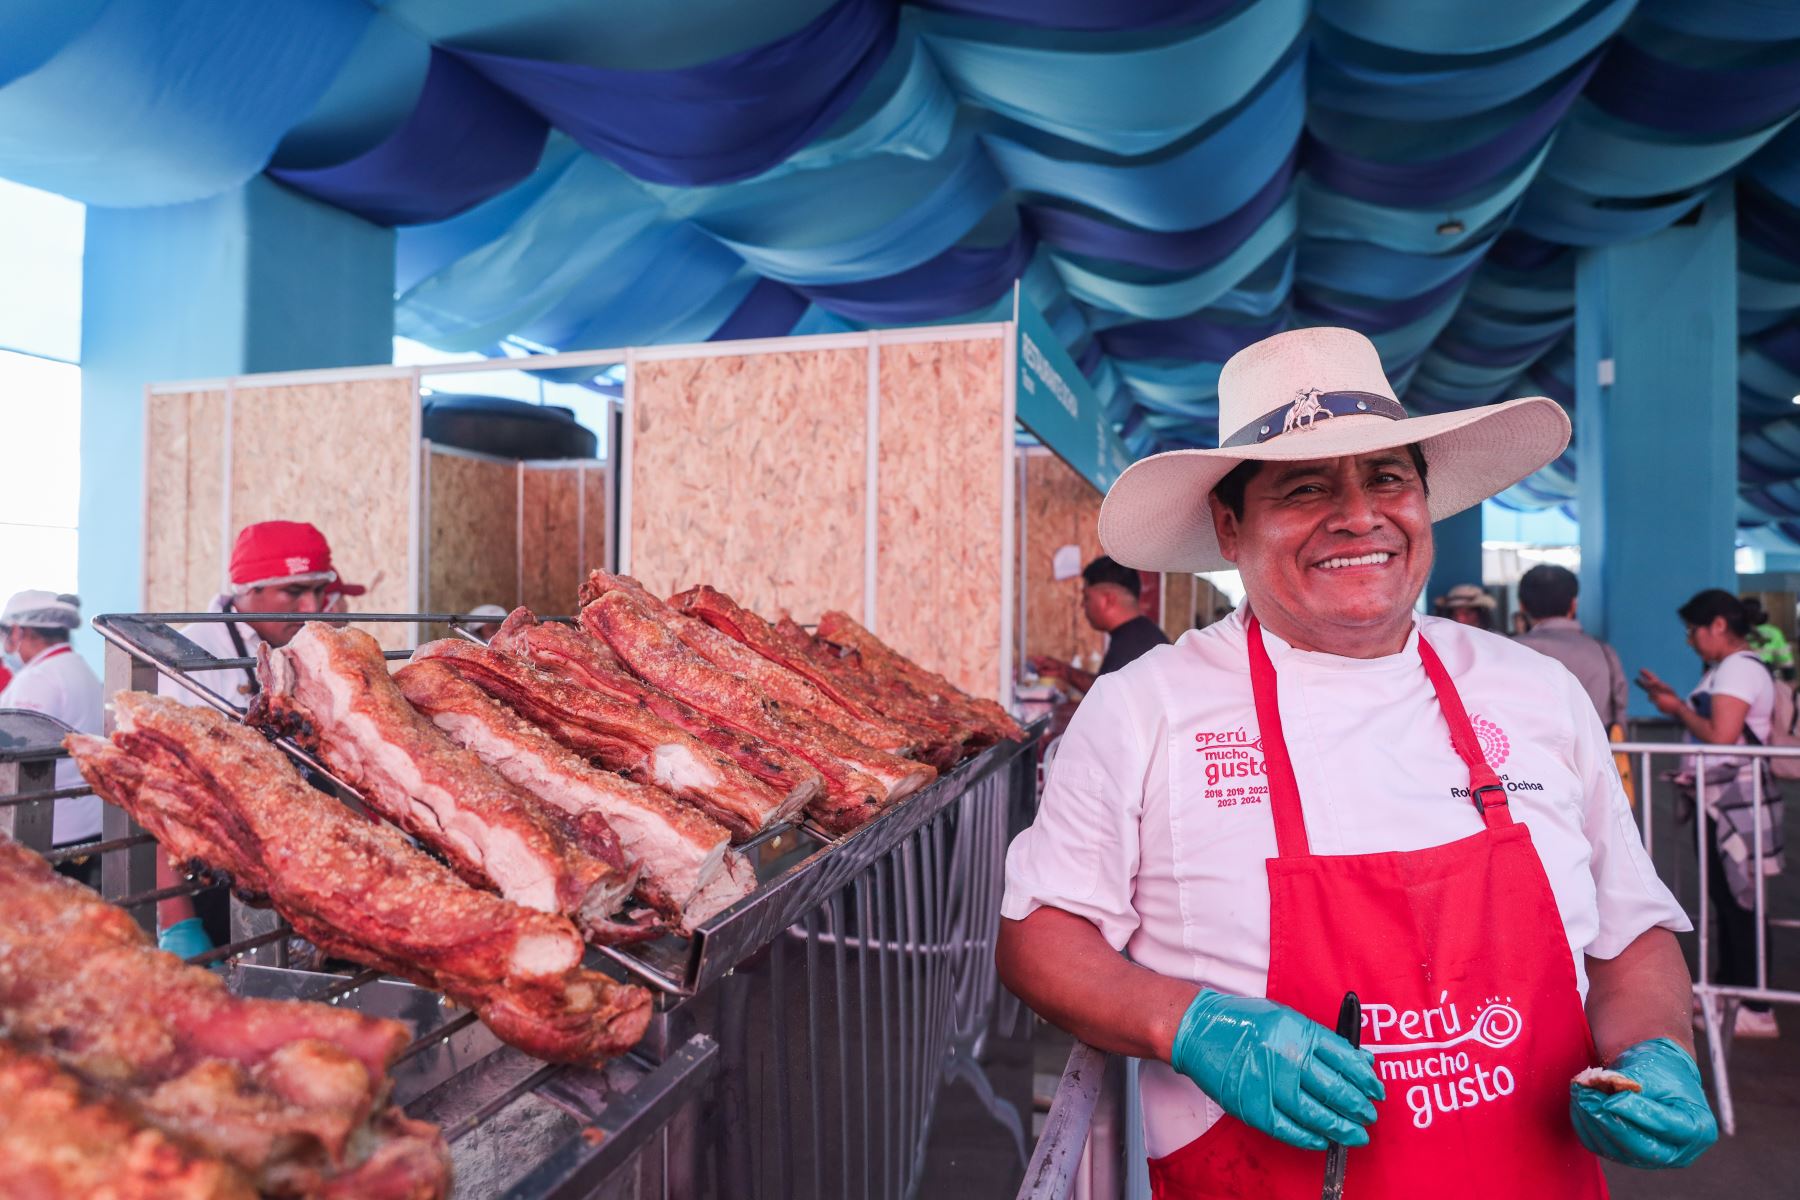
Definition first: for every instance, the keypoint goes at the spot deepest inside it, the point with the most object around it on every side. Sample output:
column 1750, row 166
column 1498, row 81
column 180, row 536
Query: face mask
column 13, row 662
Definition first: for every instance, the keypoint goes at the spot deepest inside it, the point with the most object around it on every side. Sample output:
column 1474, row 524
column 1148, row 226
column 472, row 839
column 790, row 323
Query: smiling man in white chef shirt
column 1454, row 844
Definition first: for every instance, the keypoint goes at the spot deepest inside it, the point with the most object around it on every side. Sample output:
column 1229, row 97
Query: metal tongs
column 1349, row 1027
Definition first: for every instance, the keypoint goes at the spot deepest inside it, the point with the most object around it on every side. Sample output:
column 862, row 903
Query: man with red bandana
column 278, row 569
column 1326, row 793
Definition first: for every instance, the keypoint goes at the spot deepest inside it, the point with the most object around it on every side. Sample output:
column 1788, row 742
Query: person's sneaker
column 1752, row 1024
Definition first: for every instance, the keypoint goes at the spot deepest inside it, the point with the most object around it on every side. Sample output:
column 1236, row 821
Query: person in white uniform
column 278, row 569
column 49, row 677
column 1326, row 793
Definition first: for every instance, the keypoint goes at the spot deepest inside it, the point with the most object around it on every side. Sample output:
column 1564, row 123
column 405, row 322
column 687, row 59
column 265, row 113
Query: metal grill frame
column 901, row 916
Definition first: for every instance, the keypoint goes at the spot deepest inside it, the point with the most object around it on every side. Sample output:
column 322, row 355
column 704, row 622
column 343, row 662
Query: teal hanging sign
column 1057, row 404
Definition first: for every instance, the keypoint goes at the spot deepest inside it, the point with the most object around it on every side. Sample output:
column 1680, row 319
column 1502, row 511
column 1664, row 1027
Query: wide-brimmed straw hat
column 1310, row 394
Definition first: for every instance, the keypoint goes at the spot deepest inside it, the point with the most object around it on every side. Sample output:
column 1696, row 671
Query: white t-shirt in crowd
column 58, row 683
column 1741, row 675
column 215, row 638
column 1155, row 823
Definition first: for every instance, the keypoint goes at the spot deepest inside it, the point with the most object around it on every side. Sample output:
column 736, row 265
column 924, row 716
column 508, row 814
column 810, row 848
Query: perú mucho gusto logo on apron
column 1440, row 1056
column 1232, row 761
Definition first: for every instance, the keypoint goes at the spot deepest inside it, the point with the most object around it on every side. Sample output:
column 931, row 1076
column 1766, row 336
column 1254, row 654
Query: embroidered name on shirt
column 1235, row 771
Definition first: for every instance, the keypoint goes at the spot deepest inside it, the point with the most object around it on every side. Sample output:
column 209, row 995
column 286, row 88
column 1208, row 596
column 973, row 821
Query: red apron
column 1469, row 1002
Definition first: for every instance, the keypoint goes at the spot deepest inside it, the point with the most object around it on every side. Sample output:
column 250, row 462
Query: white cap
column 42, row 610
column 488, row 610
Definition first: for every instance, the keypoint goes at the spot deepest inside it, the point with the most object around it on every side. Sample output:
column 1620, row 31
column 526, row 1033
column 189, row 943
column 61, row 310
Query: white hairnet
column 42, row 610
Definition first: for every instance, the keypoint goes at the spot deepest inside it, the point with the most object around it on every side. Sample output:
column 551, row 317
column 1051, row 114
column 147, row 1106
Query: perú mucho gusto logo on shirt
column 1233, row 764
column 1495, row 745
column 1446, row 1060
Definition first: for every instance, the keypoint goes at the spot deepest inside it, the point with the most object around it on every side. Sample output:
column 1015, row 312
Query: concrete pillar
column 1457, row 545
column 258, row 279
column 1656, row 388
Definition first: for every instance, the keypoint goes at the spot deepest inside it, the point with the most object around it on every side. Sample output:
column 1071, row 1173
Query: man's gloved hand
column 1277, row 1071
column 1668, row 1124
column 184, row 939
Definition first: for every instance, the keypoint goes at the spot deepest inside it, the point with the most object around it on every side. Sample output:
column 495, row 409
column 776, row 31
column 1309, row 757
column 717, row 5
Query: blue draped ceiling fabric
column 1169, row 179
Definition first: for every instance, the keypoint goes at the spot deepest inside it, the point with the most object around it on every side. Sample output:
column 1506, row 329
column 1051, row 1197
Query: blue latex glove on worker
column 184, row 939
column 1668, row 1124
column 1278, row 1071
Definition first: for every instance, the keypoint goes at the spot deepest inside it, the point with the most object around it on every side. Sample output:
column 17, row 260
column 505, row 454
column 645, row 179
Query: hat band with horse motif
column 1311, row 407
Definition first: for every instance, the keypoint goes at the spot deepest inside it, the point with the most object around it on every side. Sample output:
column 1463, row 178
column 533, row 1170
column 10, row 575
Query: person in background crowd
column 278, row 569
column 1732, row 705
column 50, row 678
column 1771, row 645
column 1109, row 601
column 1547, row 594
column 1468, row 604
column 487, row 629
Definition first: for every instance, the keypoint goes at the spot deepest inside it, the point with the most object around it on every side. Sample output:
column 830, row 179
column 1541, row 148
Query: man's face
column 306, row 598
column 1333, row 551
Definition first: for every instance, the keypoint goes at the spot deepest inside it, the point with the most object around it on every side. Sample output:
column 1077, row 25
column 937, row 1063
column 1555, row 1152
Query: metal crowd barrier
column 1081, row 1154
column 800, row 1041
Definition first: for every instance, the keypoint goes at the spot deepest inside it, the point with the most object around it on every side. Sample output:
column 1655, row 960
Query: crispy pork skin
column 626, row 737
column 582, row 659
column 219, row 796
column 680, row 850
column 59, row 1139
column 284, row 1091
column 991, row 722
column 735, row 650
column 943, row 739
column 647, row 634
column 330, row 689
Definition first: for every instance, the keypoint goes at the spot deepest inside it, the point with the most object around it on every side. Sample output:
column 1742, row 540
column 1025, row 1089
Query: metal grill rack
column 827, row 1007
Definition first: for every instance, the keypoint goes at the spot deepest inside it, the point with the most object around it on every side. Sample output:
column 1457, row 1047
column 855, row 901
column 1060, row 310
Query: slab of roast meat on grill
column 221, row 799
column 579, row 658
column 992, row 723
column 688, row 872
column 642, row 631
column 946, row 739
column 330, row 690
column 751, row 636
column 292, row 1094
column 59, row 1139
column 626, row 737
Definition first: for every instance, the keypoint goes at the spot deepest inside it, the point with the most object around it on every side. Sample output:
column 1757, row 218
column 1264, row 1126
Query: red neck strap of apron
column 1485, row 788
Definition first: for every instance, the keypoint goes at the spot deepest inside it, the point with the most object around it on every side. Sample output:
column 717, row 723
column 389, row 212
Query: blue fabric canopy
column 1167, row 179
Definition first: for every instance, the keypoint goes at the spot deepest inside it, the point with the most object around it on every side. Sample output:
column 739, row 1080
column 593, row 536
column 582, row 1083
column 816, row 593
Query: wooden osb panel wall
column 597, row 506
column 184, row 482
column 1180, row 595
column 1060, row 509
column 749, row 474
column 941, row 488
column 551, row 532
column 339, row 455
column 472, row 532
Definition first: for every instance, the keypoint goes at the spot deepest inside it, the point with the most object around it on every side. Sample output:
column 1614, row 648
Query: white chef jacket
column 58, row 683
column 214, row 637
column 1155, row 823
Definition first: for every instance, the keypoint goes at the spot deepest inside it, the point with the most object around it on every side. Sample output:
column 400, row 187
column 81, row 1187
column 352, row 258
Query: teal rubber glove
column 184, row 939
column 1277, row 1071
column 1668, row 1124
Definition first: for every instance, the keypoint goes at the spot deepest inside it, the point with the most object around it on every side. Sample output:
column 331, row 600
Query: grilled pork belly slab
column 59, row 1139
column 640, row 630
column 942, row 739
column 577, row 657
column 625, row 737
column 991, row 722
column 330, row 689
column 737, row 642
column 217, row 795
column 284, row 1091
column 680, row 851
